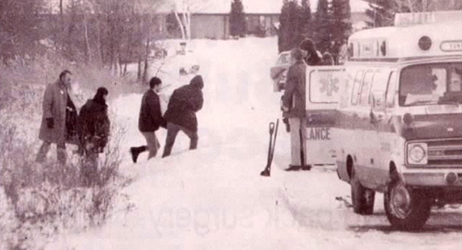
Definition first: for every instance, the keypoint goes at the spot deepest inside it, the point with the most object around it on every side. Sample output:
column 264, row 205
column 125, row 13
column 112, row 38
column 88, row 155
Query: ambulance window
column 366, row 88
column 356, row 85
column 380, row 81
column 391, row 91
column 423, row 84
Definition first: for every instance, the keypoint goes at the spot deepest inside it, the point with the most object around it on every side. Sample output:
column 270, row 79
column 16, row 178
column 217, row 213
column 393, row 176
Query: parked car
column 279, row 72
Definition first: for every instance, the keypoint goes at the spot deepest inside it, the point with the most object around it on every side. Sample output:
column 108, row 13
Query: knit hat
column 197, row 82
column 99, row 96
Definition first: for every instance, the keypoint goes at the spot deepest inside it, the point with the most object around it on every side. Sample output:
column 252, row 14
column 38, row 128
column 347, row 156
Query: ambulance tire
column 406, row 209
column 361, row 197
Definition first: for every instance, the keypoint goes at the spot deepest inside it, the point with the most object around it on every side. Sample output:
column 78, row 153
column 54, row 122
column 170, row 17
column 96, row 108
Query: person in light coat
column 59, row 118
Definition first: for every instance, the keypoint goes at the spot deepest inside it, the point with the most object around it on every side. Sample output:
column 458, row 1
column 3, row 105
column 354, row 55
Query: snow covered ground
column 214, row 197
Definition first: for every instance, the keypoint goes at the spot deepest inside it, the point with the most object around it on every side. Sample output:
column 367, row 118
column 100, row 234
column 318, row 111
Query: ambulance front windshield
column 431, row 84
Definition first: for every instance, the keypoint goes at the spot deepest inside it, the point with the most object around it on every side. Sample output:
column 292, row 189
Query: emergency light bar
column 407, row 19
column 413, row 41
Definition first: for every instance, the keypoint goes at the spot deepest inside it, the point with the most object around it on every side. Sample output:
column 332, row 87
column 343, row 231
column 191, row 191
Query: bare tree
column 183, row 10
column 20, row 29
column 426, row 5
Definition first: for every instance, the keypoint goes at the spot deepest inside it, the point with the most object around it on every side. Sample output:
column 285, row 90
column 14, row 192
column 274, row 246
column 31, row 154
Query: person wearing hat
column 93, row 128
column 183, row 105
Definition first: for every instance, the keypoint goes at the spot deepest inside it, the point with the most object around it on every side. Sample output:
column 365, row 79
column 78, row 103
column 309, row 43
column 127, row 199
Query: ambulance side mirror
column 378, row 100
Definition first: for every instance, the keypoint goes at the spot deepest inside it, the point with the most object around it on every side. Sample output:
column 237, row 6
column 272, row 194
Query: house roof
column 250, row 6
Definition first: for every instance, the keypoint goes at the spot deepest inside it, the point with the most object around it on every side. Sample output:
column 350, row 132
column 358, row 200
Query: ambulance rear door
column 322, row 97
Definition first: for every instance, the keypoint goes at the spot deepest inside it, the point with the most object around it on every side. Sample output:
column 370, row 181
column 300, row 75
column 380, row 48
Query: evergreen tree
column 306, row 19
column 322, row 26
column 341, row 24
column 381, row 13
column 295, row 23
column 237, row 22
column 173, row 28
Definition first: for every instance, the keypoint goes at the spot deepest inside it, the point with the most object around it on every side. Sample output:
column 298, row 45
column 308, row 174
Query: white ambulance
column 400, row 117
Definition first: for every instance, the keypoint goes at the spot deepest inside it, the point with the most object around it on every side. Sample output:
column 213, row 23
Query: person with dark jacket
column 181, row 113
column 311, row 55
column 93, row 128
column 59, row 118
column 150, row 120
column 294, row 104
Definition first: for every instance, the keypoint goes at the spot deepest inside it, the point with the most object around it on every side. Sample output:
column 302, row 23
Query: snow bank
column 214, row 197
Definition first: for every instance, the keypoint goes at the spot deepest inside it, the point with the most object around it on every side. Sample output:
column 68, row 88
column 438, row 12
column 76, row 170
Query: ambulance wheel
column 406, row 209
column 362, row 198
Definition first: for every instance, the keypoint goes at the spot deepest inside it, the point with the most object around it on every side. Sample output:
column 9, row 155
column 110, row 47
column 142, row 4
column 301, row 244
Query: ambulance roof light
column 383, row 48
column 425, row 43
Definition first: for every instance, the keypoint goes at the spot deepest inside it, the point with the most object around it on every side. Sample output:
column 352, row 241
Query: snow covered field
column 214, row 197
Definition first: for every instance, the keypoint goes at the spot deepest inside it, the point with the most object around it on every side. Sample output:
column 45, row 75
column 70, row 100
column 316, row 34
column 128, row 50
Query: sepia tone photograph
column 230, row 124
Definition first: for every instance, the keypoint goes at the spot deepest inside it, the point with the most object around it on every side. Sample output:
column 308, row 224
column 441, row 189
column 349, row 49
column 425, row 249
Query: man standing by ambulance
column 294, row 104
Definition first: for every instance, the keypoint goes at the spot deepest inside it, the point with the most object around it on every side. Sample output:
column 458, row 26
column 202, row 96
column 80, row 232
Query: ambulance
column 399, row 119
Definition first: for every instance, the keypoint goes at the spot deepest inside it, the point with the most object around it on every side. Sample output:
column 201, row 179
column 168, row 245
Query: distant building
column 211, row 21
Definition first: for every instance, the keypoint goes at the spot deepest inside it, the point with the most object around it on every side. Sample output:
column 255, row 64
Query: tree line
column 329, row 26
column 109, row 33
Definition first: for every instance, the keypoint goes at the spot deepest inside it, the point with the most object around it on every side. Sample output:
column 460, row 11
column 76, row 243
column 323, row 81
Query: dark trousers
column 172, row 132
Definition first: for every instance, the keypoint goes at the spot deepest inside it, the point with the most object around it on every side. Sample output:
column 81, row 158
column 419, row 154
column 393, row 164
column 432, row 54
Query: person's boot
column 306, row 167
column 136, row 151
column 298, row 167
column 293, row 168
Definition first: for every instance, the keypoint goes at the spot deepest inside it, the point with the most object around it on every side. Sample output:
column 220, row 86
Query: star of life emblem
column 329, row 85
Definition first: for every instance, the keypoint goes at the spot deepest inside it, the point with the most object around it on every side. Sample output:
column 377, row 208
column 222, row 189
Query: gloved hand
column 50, row 122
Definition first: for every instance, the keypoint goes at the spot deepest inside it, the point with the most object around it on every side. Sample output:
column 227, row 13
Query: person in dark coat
column 311, row 58
column 150, row 120
column 181, row 113
column 93, row 128
column 59, row 118
column 294, row 105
